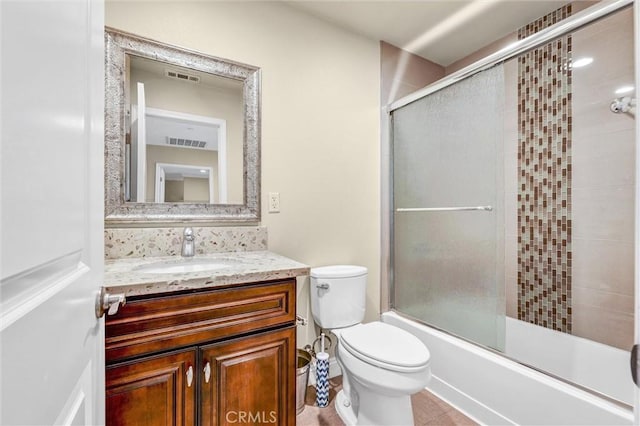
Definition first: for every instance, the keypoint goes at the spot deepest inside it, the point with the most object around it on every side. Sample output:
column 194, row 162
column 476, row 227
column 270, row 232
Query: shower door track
column 545, row 35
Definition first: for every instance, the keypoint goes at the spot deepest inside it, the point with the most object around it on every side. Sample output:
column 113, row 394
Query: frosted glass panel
column 447, row 150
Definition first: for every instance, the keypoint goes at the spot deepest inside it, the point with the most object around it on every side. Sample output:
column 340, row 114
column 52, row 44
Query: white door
column 160, row 177
column 636, row 365
column 51, row 211
column 139, row 146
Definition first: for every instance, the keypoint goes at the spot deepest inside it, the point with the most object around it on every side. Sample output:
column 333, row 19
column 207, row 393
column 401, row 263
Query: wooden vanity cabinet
column 251, row 380
column 211, row 357
column 152, row 391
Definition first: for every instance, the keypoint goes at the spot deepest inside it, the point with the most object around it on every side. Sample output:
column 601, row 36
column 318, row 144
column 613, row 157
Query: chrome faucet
column 188, row 243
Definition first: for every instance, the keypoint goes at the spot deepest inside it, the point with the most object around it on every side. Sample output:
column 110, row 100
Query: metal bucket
column 302, row 378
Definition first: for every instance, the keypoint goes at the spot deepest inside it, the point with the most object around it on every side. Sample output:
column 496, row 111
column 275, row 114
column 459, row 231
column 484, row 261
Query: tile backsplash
column 544, row 179
column 146, row 242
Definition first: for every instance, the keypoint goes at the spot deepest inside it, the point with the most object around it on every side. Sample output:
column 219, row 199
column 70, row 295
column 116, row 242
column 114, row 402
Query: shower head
column 625, row 104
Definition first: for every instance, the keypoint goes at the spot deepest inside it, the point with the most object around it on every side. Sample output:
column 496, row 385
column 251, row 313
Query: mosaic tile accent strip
column 544, row 179
column 122, row 243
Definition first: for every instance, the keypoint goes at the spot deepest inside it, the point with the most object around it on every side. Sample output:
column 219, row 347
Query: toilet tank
column 338, row 295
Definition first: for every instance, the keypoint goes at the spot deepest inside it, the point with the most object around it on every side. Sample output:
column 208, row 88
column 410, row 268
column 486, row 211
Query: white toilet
column 382, row 365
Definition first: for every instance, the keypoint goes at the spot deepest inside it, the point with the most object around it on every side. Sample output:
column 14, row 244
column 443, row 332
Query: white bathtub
column 495, row 390
column 584, row 362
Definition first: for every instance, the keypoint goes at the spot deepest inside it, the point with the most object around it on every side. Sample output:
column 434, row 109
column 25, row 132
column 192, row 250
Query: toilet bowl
column 385, row 366
column 382, row 365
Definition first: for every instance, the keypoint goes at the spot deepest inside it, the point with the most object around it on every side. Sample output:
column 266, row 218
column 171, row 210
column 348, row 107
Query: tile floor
column 428, row 410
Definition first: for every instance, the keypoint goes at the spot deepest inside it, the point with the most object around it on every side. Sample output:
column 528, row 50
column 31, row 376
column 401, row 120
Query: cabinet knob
column 109, row 303
column 189, row 376
column 207, row 372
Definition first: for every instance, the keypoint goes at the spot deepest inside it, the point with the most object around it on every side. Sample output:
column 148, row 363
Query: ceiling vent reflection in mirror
column 186, row 142
column 182, row 76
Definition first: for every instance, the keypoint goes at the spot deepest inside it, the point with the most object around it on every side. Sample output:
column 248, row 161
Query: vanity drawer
column 163, row 322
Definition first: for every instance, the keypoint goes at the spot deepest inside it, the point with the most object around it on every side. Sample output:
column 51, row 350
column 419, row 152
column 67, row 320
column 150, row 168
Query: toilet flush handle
column 323, row 286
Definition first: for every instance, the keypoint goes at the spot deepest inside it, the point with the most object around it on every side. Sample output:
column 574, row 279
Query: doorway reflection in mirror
column 186, row 121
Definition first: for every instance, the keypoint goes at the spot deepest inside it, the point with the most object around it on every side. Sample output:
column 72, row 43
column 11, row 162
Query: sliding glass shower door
column 448, row 253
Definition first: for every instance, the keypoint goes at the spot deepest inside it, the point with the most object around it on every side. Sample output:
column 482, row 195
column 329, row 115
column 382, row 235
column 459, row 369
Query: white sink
column 185, row 265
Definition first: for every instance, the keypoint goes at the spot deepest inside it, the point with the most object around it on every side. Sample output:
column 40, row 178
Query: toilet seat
column 386, row 346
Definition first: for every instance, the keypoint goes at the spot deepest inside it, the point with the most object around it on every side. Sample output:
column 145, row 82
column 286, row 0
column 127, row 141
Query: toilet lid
column 387, row 346
column 338, row 271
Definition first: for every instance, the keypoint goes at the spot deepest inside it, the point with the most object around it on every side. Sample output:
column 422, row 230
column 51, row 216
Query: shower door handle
column 634, row 364
column 445, row 209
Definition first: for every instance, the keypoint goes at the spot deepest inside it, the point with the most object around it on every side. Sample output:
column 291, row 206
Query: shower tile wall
column 544, row 179
column 602, row 179
column 603, row 184
column 602, row 174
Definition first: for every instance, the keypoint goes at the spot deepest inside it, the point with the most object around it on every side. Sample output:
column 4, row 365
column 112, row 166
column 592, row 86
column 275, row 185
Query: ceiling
column 442, row 31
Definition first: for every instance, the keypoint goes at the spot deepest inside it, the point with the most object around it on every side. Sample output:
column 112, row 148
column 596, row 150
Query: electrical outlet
column 274, row 202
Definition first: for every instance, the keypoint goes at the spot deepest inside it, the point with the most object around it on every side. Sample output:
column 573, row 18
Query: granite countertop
column 128, row 275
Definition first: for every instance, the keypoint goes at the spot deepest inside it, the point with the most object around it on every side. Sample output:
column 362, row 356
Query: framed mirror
column 182, row 135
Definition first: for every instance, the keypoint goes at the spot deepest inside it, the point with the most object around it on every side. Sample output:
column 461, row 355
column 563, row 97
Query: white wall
column 320, row 121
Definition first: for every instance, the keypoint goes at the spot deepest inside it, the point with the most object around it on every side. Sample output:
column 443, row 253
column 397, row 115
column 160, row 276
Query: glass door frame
column 636, row 29
column 566, row 26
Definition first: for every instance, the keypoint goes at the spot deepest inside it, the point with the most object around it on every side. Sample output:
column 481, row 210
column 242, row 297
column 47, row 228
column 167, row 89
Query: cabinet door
column 252, row 380
column 152, row 391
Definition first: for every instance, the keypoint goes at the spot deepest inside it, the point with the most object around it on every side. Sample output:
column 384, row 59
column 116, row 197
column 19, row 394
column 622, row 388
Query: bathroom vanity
column 211, row 344
column 208, row 339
